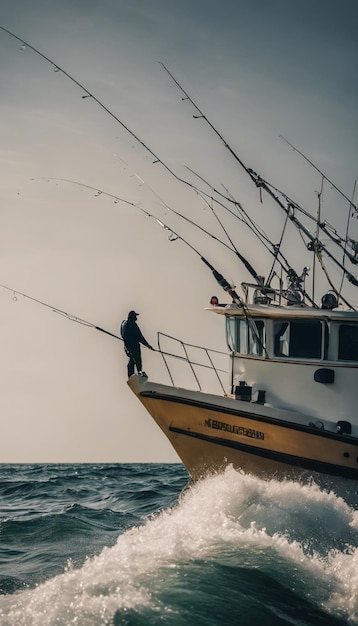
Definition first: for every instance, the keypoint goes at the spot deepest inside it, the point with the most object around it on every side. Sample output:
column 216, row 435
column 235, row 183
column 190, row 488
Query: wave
column 250, row 544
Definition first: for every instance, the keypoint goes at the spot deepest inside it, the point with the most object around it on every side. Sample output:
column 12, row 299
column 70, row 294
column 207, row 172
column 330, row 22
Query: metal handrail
column 208, row 352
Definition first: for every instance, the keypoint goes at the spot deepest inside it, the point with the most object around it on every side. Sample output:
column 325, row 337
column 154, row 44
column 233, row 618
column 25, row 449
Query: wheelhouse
column 291, row 337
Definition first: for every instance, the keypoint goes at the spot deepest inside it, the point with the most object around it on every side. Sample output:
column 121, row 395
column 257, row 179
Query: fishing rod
column 79, row 320
column 173, row 236
column 201, row 115
column 224, row 284
column 249, row 171
column 320, row 172
column 70, row 316
column 272, row 248
column 204, row 197
column 314, row 243
column 100, row 192
column 261, row 184
column 88, row 94
column 347, row 230
column 324, row 226
column 244, row 217
column 157, row 159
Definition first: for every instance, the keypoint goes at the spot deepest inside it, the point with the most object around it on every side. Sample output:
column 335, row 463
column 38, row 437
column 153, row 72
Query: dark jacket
column 132, row 335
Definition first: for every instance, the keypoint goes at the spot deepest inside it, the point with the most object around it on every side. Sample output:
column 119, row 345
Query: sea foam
column 304, row 538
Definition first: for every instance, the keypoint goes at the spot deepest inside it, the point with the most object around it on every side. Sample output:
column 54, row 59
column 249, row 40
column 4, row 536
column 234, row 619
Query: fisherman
column 132, row 338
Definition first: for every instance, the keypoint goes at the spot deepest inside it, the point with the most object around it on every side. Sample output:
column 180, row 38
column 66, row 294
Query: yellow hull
column 209, row 432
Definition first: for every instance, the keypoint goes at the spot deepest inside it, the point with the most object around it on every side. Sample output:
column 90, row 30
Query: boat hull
column 209, row 432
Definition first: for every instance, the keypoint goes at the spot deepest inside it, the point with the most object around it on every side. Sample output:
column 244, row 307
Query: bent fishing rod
column 275, row 250
column 272, row 248
column 262, row 184
column 89, row 94
column 117, row 199
column 157, row 159
column 70, row 316
column 74, row 318
column 320, row 225
column 314, row 243
column 249, row 171
column 173, row 236
column 201, row 115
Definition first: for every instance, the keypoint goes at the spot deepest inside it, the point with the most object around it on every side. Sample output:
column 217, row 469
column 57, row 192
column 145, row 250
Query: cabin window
column 300, row 339
column 245, row 336
column 348, row 342
column 231, row 333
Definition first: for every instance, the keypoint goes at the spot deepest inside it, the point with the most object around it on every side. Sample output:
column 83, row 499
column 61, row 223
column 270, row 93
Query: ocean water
column 139, row 544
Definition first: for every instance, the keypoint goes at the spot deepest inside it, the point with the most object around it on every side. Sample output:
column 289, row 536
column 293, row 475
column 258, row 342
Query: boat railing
column 197, row 358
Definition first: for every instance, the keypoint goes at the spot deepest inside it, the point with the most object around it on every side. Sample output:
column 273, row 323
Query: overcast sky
column 258, row 70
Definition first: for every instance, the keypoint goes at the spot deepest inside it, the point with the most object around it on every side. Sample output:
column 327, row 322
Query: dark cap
column 132, row 314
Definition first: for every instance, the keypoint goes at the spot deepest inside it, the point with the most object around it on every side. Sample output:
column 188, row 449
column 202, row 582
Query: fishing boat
column 289, row 407
column 291, row 404
column 288, row 403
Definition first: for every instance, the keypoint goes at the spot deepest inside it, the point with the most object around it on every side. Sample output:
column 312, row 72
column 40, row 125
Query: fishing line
column 136, row 137
column 327, row 228
column 273, row 249
column 318, row 219
column 204, row 197
column 137, row 206
column 70, row 316
column 79, row 320
column 157, row 159
column 202, row 116
column 251, row 173
column 96, row 189
column 347, row 230
column 276, row 251
column 241, row 214
column 260, row 183
column 313, row 242
column 319, row 171
column 210, row 206
column 89, row 94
